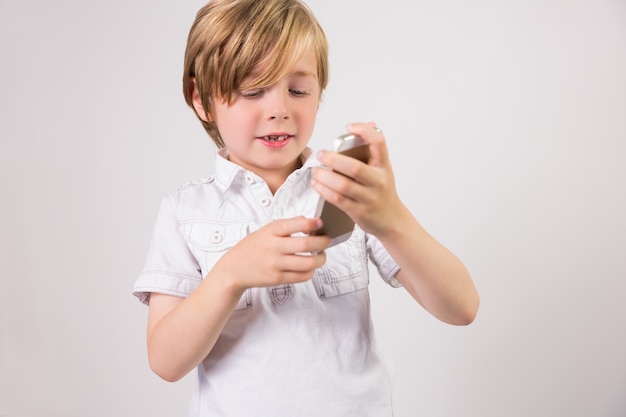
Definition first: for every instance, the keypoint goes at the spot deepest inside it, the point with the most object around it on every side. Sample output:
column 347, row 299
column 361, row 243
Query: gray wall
column 506, row 122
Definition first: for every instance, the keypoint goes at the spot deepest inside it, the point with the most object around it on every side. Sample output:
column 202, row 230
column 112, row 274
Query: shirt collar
column 226, row 171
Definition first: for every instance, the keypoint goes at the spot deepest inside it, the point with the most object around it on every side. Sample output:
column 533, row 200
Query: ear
column 197, row 103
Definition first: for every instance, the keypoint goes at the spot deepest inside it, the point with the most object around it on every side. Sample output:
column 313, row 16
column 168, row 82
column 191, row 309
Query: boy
column 276, row 322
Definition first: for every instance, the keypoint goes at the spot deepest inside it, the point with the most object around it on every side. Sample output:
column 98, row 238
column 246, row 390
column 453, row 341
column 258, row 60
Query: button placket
column 259, row 189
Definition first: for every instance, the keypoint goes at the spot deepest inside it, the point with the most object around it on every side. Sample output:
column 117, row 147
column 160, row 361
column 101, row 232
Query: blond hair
column 231, row 39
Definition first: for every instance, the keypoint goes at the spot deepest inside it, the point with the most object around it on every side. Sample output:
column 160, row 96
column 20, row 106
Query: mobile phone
column 337, row 224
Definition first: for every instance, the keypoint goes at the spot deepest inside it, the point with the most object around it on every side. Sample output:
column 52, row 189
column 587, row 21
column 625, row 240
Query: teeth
column 276, row 138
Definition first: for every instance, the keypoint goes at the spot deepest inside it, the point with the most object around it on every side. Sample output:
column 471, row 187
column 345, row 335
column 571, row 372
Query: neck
column 274, row 179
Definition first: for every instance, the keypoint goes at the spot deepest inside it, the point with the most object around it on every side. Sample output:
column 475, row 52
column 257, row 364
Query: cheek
column 310, row 111
column 228, row 118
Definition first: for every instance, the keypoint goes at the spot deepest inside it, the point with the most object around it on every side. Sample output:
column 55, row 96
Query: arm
column 182, row 331
column 434, row 276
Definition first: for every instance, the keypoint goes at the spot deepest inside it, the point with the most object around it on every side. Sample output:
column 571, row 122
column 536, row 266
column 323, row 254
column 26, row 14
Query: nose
column 278, row 105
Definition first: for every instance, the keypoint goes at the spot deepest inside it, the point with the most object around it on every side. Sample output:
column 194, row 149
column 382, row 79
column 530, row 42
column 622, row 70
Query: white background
column 506, row 122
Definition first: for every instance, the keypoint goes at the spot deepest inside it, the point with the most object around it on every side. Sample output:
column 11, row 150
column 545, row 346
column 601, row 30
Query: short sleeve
column 387, row 267
column 170, row 267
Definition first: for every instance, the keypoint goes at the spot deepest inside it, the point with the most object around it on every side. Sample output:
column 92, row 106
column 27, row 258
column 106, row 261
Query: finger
column 376, row 139
column 333, row 186
column 296, row 268
column 303, row 263
column 342, row 173
column 300, row 224
column 303, row 244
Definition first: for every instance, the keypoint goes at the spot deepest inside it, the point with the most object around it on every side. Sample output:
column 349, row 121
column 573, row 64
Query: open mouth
column 275, row 138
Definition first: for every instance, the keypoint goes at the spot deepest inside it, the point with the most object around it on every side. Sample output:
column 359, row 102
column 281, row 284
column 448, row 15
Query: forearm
column 183, row 337
column 182, row 332
column 433, row 275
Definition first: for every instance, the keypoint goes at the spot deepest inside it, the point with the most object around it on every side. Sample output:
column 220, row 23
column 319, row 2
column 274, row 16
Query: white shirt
column 293, row 350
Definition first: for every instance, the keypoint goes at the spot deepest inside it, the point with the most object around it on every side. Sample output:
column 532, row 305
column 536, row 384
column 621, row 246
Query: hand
column 367, row 193
column 272, row 255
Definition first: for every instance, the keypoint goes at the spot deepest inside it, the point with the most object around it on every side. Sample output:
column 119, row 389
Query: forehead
column 306, row 65
column 300, row 64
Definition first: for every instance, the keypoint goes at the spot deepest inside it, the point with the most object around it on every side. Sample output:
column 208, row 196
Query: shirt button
column 249, row 179
column 265, row 202
column 216, row 237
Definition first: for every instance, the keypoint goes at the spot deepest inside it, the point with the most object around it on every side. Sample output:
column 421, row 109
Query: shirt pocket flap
column 215, row 236
column 209, row 240
column 346, row 268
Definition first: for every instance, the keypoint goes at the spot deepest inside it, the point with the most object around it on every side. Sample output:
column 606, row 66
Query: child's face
column 266, row 129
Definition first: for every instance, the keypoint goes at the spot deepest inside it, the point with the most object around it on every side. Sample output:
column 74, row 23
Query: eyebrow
column 302, row 73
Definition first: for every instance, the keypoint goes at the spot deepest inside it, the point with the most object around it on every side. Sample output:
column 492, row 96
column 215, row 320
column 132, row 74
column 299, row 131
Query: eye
column 298, row 92
column 252, row 93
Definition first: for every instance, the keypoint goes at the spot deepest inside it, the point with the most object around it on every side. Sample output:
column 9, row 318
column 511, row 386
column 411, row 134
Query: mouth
column 275, row 141
column 275, row 138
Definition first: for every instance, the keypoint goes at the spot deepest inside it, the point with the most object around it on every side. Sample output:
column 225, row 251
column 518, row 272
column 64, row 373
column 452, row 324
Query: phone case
column 337, row 224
